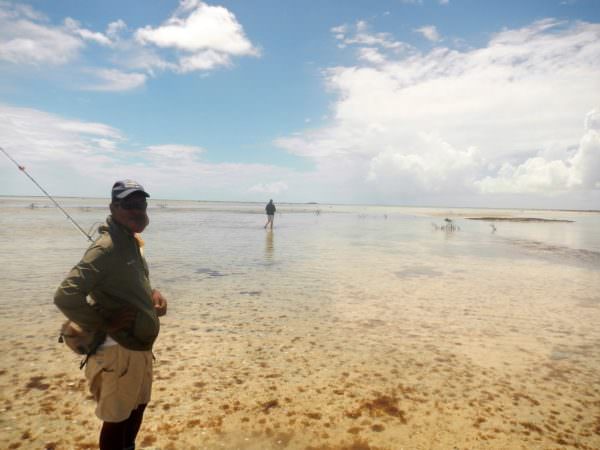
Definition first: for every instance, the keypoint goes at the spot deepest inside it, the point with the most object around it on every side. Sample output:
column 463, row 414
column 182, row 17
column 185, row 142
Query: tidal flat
column 355, row 327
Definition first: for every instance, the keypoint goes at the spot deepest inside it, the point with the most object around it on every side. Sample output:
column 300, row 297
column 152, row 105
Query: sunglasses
column 134, row 203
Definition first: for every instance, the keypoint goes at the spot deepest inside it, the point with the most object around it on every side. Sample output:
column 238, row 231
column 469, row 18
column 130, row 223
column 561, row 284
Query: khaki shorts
column 120, row 380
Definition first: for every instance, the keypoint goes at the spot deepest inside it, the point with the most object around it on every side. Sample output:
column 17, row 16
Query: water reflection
column 269, row 246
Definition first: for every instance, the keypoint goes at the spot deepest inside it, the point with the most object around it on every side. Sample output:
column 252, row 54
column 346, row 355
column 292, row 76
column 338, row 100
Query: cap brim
column 128, row 192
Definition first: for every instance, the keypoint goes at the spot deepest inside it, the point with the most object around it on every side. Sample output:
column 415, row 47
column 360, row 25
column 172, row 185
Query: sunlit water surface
column 346, row 327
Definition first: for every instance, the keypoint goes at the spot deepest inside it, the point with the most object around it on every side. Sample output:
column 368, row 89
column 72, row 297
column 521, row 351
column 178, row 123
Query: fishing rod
column 22, row 169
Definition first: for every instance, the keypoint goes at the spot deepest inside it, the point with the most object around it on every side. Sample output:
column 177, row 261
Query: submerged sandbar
column 519, row 219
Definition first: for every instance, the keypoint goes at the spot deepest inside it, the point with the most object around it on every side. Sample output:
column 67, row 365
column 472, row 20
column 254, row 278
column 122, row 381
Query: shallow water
column 345, row 327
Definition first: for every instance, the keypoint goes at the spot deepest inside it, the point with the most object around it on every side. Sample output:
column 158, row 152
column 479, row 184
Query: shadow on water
column 555, row 253
column 211, row 273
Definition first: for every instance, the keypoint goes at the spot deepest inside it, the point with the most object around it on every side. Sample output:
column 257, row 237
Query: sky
column 449, row 103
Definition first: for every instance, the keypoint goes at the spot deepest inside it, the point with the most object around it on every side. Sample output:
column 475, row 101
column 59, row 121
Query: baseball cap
column 123, row 188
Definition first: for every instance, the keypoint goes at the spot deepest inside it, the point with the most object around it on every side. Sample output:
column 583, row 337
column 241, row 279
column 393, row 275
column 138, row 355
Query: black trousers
column 121, row 435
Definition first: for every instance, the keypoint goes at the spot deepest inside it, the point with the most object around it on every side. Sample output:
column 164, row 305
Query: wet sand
column 385, row 349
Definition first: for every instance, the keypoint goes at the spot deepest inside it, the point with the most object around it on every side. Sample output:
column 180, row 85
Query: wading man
column 270, row 210
column 108, row 294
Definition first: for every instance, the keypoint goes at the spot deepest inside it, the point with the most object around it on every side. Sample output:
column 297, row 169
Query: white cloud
column 39, row 138
column 431, row 165
column 341, row 29
column 444, row 2
column 186, row 6
column 114, row 29
column 205, row 60
column 74, row 27
column 362, row 36
column 206, row 27
column 71, row 157
column 174, row 152
column 26, row 38
column 197, row 37
column 105, row 144
column 115, row 80
column 540, row 175
column 71, row 126
column 534, row 175
column 10, row 10
column 131, row 56
column 371, row 55
column 275, row 188
column 449, row 122
column 430, row 32
column 207, row 35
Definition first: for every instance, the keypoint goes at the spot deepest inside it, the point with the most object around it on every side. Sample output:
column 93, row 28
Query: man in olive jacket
column 108, row 293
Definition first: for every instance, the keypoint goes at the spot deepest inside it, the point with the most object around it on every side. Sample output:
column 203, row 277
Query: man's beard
column 138, row 222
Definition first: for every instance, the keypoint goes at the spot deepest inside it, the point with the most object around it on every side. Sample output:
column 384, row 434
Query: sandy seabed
column 337, row 331
column 432, row 356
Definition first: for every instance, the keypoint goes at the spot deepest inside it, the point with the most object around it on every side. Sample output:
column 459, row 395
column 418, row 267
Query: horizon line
column 317, row 203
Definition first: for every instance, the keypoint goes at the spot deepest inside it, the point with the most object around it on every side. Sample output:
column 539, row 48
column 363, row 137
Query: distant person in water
column 270, row 209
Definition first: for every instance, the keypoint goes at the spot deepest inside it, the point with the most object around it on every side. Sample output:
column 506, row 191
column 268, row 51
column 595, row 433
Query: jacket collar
column 114, row 228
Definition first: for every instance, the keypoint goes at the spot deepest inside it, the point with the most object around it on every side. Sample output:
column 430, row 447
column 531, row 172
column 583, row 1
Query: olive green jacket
column 114, row 274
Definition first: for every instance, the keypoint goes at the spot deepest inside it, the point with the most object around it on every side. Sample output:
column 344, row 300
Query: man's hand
column 123, row 318
column 160, row 303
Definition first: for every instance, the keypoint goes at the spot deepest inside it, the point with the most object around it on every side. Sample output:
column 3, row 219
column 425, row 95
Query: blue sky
column 447, row 103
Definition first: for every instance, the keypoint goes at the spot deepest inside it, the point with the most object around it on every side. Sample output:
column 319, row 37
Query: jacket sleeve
column 71, row 295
